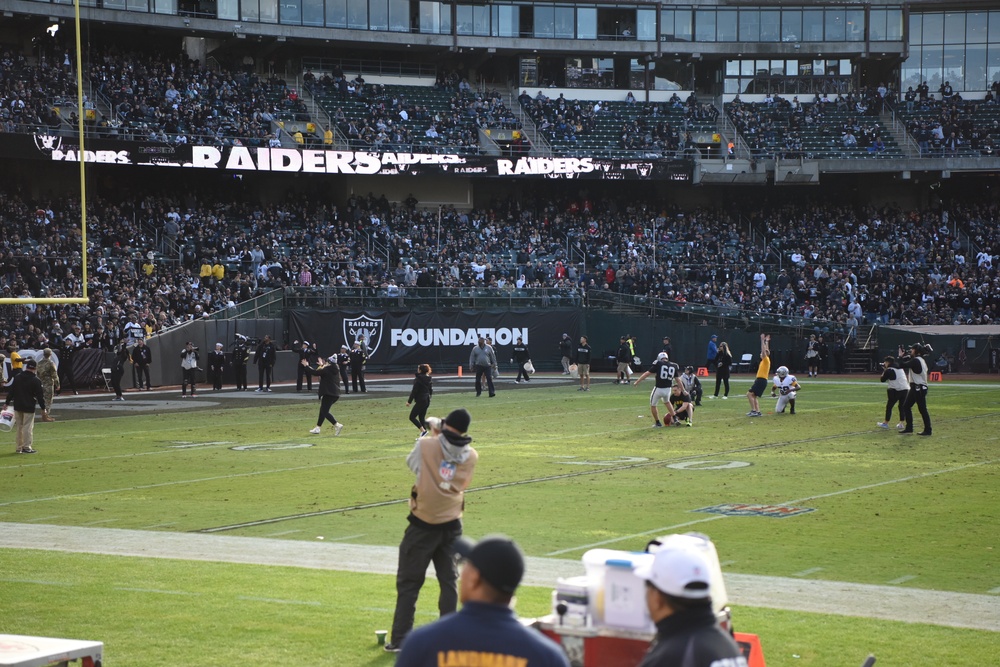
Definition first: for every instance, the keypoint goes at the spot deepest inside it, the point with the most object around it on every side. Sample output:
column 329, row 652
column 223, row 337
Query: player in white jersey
column 786, row 387
column 665, row 373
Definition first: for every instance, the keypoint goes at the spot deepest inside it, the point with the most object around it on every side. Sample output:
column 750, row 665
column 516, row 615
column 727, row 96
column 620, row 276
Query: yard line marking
column 40, row 582
column 198, row 480
column 666, row 529
column 806, row 573
column 311, row 603
column 153, row 590
column 903, row 579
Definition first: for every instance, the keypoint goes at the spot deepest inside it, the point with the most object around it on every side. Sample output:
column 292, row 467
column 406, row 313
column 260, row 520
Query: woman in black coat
column 329, row 392
column 723, row 362
column 420, row 397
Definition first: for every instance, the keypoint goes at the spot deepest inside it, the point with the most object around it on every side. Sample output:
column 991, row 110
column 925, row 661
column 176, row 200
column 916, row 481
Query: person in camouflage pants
column 49, row 376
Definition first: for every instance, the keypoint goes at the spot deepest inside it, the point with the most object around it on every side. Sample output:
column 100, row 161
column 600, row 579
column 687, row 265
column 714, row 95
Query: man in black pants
column 267, row 354
column 521, row 357
column 343, row 359
column 241, row 355
column 482, row 360
column 358, row 361
column 305, row 353
column 916, row 367
column 142, row 357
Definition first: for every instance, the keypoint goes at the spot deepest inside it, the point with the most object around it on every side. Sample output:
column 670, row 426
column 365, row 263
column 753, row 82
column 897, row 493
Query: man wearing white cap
column 679, row 600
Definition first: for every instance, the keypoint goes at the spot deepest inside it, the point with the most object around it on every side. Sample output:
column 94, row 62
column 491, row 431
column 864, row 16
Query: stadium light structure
column 83, row 180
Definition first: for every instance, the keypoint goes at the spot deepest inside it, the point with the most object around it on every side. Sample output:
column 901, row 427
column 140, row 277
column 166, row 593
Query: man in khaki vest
column 443, row 462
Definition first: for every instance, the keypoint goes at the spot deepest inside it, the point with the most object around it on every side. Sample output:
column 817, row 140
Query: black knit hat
column 459, row 420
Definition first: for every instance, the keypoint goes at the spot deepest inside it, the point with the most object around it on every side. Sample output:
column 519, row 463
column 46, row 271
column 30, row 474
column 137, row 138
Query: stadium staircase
column 862, row 357
column 896, row 128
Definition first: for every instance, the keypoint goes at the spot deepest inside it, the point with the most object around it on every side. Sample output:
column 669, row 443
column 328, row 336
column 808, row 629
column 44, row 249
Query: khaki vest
column 439, row 494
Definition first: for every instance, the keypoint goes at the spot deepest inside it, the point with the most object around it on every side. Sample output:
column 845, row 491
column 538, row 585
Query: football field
column 219, row 530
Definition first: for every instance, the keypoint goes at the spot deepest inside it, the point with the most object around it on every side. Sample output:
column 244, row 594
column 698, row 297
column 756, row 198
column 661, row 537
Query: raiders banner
column 401, row 341
column 244, row 159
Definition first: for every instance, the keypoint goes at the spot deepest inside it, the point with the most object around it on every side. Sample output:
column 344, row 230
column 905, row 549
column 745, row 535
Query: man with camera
column 189, row 368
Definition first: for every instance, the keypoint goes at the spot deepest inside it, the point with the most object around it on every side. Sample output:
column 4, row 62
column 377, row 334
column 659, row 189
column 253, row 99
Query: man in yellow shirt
column 763, row 373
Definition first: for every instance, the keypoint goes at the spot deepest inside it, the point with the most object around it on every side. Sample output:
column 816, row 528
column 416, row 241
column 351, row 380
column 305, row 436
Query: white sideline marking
column 153, row 590
column 806, row 573
column 994, row 591
column 42, row 518
column 282, row 532
column 345, row 537
column 94, row 523
column 903, row 579
column 797, row 501
column 159, row 525
column 40, row 582
column 311, row 603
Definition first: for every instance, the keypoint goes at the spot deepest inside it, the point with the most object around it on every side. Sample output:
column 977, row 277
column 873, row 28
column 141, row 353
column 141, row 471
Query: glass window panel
column 845, row 67
column 894, row 25
column 931, row 67
column 165, row 6
column 993, row 63
column 399, row 15
column 855, row 25
column 876, row 25
column 506, row 19
column 975, row 67
column 378, row 15
column 357, row 14
column 732, row 68
column 544, row 21
column 137, row 5
column 564, row 28
column 667, row 25
column 994, row 37
column 746, row 67
column 120, row 4
column 812, row 25
column 463, row 19
column 916, row 28
column 749, row 25
column 954, row 66
column 645, row 25
column 725, row 26
column 586, row 23
column 268, row 11
column 933, row 30
column 312, row 12
column 704, row 25
column 976, row 28
column 954, row 28
column 682, row 25
column 291, row 11
column 336, row 12
column 732, row 86
column 225, row 9
column 481, row 20
column 791, row 25
column 791, row 68
column 249, row 10
column 770, row 25
column 836, row 25
column 910, row 73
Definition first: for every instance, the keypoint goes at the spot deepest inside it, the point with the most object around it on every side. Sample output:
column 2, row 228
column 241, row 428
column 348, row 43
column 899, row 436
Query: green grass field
column 561, row 471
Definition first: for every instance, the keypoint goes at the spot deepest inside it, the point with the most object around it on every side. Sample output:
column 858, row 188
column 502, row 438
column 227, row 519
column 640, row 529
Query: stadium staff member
column 483, row 359
column 26, row 392
column 443, row 463
column 763, row 372
column 679, row 601
column 485, row 631
column 916, row 368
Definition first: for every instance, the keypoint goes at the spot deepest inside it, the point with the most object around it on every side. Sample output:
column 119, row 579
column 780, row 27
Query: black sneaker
column 924, row 433
column 392, row 647
column 29, row 450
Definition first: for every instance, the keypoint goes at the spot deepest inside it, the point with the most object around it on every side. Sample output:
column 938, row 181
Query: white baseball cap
column 681, row 572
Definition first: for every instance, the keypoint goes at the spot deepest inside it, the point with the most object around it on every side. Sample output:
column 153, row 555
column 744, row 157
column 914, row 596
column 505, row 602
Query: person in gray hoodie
column 443, row 463
column 483, row 359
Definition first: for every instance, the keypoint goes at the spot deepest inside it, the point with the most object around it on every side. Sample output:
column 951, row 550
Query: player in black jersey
column 665, row 373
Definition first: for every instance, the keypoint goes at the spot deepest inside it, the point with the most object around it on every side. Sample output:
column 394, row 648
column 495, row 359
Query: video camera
column 248, row 341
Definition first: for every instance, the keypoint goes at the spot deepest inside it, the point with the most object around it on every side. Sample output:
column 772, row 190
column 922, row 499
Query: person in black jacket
column 897, row 388
column 329, row 392
column 343, row 360
column 216, row 366
column 142, row 357
column 581, row 357
column 305, row 352
column 24, row 394
column 266, row 355
column 520, row 358
column 118, row 369
column 679, row 600
column 358, row 360
column 420, row 396
column 915, row 365
column 624, row 358
column 566, row 352
column 723, row 365
column 241, row 355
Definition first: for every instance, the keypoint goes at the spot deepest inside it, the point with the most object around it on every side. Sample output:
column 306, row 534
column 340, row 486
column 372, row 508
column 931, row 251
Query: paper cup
column 380, row 636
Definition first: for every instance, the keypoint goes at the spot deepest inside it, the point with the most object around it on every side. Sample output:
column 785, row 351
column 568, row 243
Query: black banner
column 403, row 340
column 244, row 159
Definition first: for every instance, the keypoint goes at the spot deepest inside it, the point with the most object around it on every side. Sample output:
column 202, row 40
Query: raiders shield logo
column 47, row 143
column 365, row 329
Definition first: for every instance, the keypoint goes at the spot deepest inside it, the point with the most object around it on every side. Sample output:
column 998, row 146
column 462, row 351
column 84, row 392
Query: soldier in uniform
column 49, row 375
column 358, row 360
column 216, row 366
column 305, row 353
column 241, row 354
column 344, row 364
